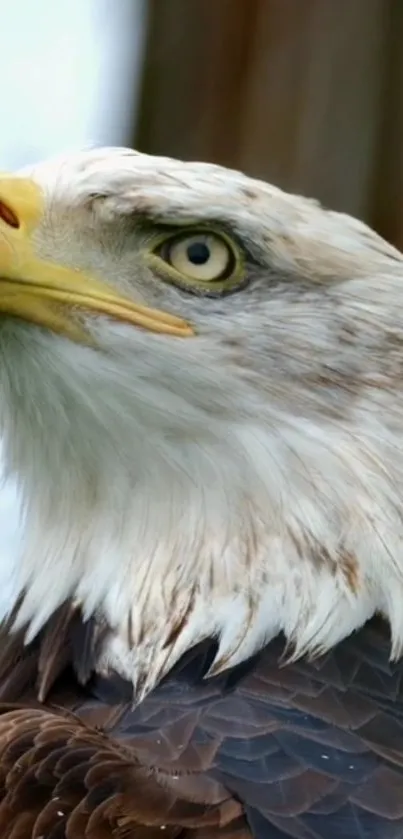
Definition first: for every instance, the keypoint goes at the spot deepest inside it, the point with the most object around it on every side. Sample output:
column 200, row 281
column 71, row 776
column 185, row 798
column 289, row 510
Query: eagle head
column 201, row 407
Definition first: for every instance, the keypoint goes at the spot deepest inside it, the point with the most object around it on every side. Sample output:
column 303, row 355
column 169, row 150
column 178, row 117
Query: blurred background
column 305, row 93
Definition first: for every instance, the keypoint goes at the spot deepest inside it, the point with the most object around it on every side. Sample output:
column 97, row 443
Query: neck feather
column 174, row 523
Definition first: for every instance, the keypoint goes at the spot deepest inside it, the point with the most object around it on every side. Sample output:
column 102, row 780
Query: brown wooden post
column 293, row 91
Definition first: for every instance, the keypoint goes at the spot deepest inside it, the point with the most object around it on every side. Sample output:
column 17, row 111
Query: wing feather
column 306, row 750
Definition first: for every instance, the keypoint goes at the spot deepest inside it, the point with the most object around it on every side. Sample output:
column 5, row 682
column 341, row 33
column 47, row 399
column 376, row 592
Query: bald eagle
column 201, row 411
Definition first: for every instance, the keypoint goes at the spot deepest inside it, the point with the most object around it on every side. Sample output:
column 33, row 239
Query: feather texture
column 240, row 485
column 303, row 750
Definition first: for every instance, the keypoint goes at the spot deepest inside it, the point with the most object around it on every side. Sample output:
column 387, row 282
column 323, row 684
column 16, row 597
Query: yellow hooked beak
column 43, row 292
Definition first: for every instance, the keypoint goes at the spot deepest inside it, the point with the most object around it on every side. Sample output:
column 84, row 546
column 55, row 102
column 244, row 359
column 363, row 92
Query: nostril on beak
column 8, row 215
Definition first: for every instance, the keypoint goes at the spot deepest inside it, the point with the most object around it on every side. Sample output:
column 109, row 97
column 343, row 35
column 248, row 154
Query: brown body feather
column 302, row 750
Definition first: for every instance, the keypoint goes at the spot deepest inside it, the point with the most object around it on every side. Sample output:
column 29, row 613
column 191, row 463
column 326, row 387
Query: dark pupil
column 198, row 253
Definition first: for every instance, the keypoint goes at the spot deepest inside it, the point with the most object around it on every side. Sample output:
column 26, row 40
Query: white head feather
column 243, row 482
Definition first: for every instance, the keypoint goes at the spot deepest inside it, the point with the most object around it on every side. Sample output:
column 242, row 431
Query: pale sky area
column 70, row 72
